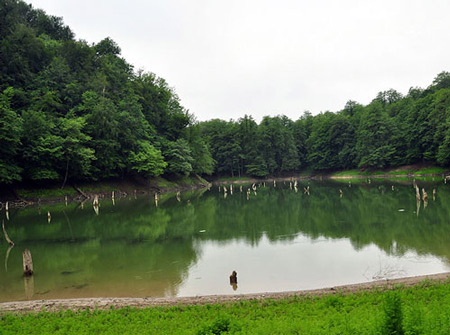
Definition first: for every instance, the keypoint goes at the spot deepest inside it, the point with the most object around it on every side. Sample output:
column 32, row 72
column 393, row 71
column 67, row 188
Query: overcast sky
column 229, row 58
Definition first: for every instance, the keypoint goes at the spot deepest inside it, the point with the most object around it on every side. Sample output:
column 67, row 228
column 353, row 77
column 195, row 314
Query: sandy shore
column 105, row 303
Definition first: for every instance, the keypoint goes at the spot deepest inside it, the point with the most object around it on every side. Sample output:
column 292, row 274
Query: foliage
column 72, row 111
column 426, row 311
column 10, row 133
column 148, row 160
column 393, row 319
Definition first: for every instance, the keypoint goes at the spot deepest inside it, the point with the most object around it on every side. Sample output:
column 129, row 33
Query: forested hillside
column 74, row 110
column 71, row 110
column 392, row 130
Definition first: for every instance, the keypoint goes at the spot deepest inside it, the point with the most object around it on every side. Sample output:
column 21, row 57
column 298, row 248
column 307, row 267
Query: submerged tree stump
column 233, row 280
column 27, row 263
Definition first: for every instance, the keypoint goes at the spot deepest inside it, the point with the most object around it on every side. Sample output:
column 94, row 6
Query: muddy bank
column 106, row 303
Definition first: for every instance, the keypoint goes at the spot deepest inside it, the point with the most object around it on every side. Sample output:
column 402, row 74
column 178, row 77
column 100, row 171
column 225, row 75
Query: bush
column 392, row 323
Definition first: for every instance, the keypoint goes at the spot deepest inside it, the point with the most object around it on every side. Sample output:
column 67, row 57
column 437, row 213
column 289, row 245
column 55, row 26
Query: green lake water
column 277, row 240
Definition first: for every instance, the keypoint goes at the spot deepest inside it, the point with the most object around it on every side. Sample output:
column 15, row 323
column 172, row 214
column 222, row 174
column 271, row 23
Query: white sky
column 229, row 58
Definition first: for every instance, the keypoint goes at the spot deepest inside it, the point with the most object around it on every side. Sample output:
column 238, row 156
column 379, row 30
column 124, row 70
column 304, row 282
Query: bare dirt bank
column 105, row 303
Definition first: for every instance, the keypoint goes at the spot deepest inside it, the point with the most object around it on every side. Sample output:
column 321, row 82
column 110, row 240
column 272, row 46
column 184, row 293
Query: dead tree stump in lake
column 233, row 280
column 27, row 263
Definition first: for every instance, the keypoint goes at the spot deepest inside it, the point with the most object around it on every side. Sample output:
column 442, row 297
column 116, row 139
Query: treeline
column 392, row 130
column 70, row 110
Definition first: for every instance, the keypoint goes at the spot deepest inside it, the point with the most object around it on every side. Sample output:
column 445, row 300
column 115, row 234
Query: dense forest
column 392, row 130
column 70, row 111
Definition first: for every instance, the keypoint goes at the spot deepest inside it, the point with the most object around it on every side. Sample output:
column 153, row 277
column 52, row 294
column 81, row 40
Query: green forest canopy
column 70, row 110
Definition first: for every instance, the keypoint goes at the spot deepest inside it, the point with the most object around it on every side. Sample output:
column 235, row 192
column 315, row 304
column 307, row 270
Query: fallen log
column 81, row 192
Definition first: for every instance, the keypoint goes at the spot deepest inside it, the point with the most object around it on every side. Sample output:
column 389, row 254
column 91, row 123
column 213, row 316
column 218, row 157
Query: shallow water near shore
column 278, row 239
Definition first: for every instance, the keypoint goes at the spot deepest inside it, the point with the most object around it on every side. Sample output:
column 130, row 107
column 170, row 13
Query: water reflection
column 275, row 237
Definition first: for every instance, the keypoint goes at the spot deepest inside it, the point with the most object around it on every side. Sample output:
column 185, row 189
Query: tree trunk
column 67, row 173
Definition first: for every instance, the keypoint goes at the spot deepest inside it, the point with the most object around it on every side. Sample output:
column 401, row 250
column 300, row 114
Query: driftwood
column 27, row 263
column 81, row 192
column 6, row 234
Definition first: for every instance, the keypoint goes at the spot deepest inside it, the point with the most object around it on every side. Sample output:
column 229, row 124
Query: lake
column 277, row 240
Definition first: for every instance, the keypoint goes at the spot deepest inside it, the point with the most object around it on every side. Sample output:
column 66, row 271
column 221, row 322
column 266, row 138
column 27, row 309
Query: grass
column 99, row 188
column 164, row 183
column 350, row 173
column 432, row 170
column 422, row 309
column 43, row 193
column 233, row 178
column 182, row 181
column 394, row 172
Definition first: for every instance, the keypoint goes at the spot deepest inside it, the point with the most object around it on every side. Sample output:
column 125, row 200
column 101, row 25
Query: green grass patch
column 99, row 188
column 222, row 179
column 44, row 193
column 307, row 173
column 392, row 172
column 431, row 170
column 351, row 173
column 164, row 183
column 422, row 309
column 182, row 181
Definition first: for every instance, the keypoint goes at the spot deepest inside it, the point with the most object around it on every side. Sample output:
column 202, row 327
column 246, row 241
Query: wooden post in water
column 95, row 204
column 424, row 195
column 6, row 235
column 417, row 193
column 7, row 211
column 27, row 263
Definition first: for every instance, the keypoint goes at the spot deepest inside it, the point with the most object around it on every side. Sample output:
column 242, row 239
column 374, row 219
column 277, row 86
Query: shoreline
column 106, row 303
column 325, row 177
column 123, row 190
